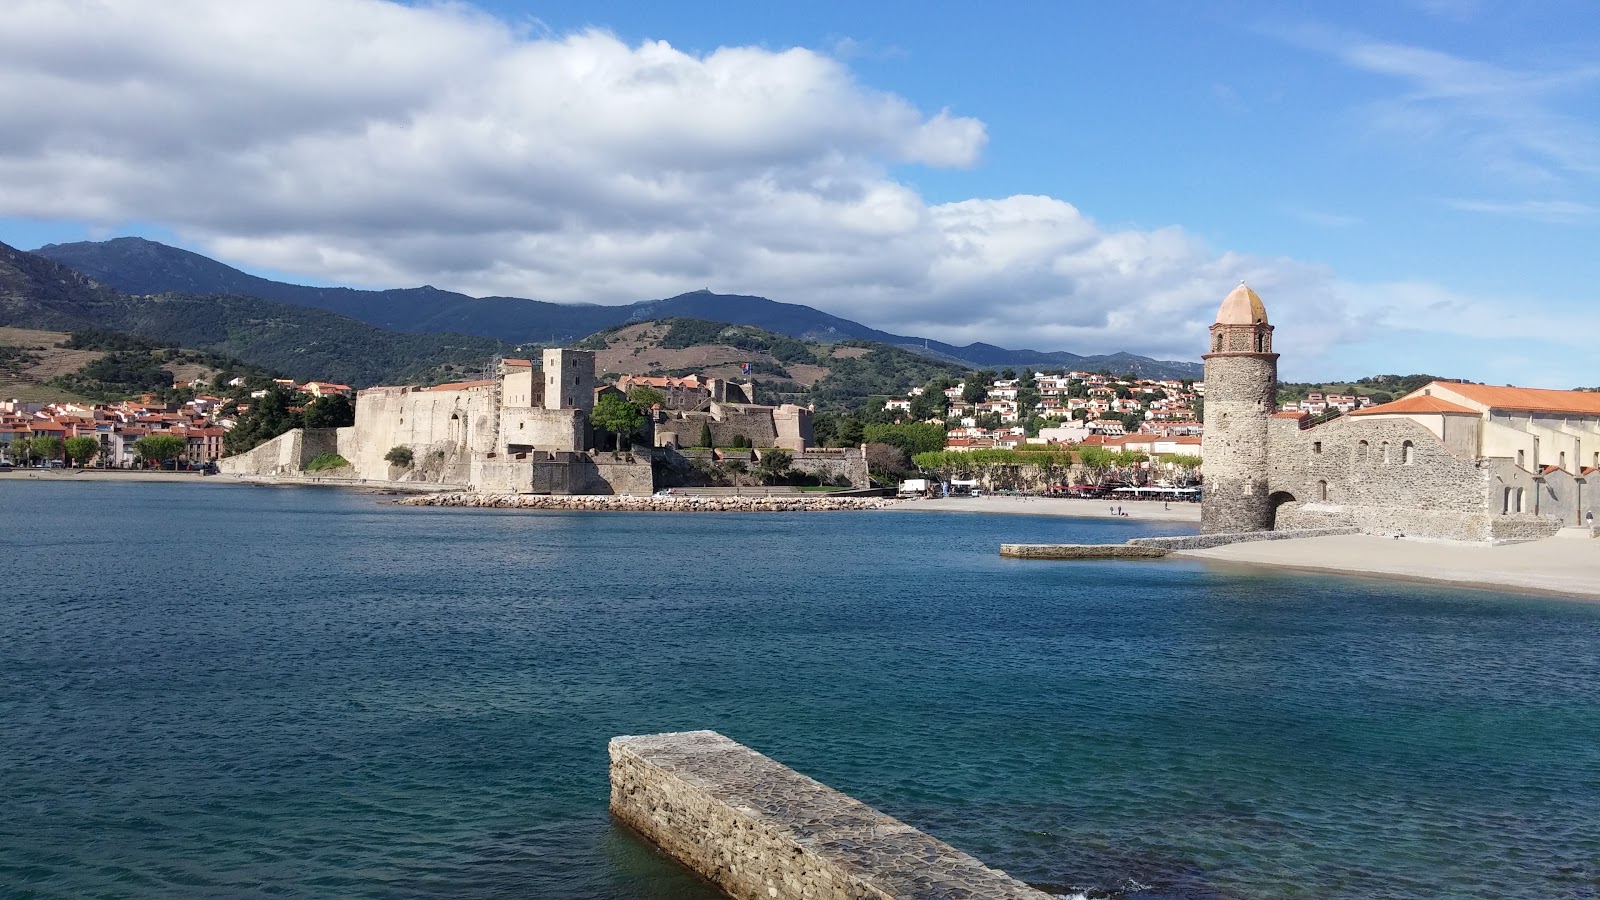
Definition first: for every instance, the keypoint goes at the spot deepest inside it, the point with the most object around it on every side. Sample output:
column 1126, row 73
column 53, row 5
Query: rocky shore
column 794, row 503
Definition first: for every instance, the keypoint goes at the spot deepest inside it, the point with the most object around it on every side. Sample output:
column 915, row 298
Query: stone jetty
column 759, row 830
column 687, row 503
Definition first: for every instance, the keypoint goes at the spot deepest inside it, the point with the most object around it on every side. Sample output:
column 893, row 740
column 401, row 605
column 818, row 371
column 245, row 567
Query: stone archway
column 1275, row 500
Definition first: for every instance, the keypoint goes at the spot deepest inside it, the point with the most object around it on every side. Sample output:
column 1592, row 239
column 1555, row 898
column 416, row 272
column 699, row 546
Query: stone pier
column 759, row 830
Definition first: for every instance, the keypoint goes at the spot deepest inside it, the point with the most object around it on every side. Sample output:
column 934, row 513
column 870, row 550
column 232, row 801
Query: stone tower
column 569, row 379
column 1241, row 395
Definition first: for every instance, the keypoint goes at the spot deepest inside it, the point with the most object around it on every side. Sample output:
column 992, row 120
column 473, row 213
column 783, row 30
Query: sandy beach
column 1555, row 565
column 1147, row 510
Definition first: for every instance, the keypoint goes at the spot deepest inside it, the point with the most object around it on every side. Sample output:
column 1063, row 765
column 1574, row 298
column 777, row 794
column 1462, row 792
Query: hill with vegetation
column 139, row 266
column 301, row 342
column 843, row 375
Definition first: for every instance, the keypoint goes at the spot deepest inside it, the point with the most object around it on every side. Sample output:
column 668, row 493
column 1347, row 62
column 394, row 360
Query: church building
column 1449, row 460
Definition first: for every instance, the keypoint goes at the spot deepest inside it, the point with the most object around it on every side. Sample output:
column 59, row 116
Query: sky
column 1411, row 186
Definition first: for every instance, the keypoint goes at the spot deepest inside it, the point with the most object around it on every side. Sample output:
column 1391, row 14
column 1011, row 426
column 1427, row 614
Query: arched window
column 1322, row 490
column 1216, row 343
column 1519, row 499
column 1408, row 452
column 1386, row 459
column 1362, row 451
column 1505, row 504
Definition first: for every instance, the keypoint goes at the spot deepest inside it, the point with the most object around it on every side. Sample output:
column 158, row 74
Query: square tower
column 569, row 379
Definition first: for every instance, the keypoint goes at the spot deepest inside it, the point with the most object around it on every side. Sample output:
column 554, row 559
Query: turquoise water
column 215, row 690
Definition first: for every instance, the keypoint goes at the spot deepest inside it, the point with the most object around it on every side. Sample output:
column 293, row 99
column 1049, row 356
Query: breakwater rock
column 788, row 503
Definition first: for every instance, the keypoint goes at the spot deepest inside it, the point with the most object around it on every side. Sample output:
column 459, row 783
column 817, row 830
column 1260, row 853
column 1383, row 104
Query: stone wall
column 847, row 463
column 1207, row 541
column 1240, row 399
column 758, row 830
column 1081, row 551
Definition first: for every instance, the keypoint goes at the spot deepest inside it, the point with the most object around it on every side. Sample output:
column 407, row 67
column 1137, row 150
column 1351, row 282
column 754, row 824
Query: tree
column 160, row 447
column 736, row 467
column 1028, row 396
column 1097, row 460
column 774, row 463
column 21, row 450
column 269, row 417
column 332, row 411
column 81, row 449
column 705, row 435
column 44, row 447
column 646, row 397
column 912, row 437
column 930, row 404
column 886, row 462
column 618, row 416
column 1008, row 375
column 399, row 456
column 975, row 390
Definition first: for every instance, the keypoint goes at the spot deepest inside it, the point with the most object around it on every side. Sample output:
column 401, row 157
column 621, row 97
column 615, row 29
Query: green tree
column 399, row 456
column 774, row 463
column 1098, row 460
column 705, row 435
column 646, row 397
column 269, row 416
column 332, row 411
column 975, row 390
column 911, row 437
column 930, row 404
column 1028, row 396
column 1008, row 375
column 160, row 447
column 81, row 449
column 618, row 416
column 45, row 447
column 21, row 450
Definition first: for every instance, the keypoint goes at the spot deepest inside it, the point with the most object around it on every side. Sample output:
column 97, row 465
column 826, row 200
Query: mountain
column 301, row 342
column 139, row 266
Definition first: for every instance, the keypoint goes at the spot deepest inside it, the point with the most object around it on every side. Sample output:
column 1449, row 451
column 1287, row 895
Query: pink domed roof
column 1242, row 306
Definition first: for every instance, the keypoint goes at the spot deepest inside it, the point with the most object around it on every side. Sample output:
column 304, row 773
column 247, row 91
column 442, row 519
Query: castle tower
column 1241, row 395
column 569, row 379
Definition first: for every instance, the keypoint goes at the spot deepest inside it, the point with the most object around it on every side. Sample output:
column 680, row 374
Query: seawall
column 622, row 503
column 1157, row 547
column 759, row 830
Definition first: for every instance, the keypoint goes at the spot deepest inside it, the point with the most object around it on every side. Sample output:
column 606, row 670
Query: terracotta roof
column 460, row 385
column 1420, row 403
column 1288, row 415
column 1242, row 306
column 1534, row 399
column 518, row 362
column 1549, row 469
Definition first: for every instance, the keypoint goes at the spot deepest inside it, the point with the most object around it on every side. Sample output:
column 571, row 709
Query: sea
column 211, row 690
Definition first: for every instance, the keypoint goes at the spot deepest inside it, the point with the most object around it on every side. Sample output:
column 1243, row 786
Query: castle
column 1449, row 460
column 526, row 430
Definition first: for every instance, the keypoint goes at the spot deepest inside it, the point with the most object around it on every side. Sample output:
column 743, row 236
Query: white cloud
column 1554, row 211
column 366, row 142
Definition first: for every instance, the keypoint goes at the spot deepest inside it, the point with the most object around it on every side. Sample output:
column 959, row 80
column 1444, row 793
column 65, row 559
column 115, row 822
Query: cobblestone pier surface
column 759, row 830
column 790, row 503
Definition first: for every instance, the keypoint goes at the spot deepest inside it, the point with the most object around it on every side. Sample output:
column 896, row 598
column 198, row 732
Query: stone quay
column 759, row 830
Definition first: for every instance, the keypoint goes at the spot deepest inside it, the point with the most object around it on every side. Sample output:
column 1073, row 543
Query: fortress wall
column 792, row 427
column 849, row 463
column 283, row 455
column 543, row 429
column 758, row 830
column 442, row 428
column 1387, row 520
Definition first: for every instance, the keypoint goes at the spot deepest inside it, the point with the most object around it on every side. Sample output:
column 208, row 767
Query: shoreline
column 1556, row 566
column 99, row 475
column 1067, row 507
column 628, row 503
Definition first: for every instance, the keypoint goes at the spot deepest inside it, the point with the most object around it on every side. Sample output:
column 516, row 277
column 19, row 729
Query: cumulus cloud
column 373, row 143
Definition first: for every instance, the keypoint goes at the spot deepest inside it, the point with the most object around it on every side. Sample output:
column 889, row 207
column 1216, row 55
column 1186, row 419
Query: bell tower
column 1241, row 395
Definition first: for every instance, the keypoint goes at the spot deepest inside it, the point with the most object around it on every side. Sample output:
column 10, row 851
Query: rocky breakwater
column 794, row 503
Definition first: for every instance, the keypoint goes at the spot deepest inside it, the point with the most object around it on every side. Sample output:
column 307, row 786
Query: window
column 1561, row 459
column 1362, row 450
column 1505, row 502
column 1522, row 459
column 1316, row 446
column 1386, row 459
column 1322, row 490
column 1408, row 453
column 1519, row 499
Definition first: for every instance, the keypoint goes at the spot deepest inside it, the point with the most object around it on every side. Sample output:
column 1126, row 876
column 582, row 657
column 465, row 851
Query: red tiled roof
column 1418, row 404
column 1533, row 399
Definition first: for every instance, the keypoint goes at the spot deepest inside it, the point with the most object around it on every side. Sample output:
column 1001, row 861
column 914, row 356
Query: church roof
column 1414, row 405
column 1531, row 399
column 1242, row 306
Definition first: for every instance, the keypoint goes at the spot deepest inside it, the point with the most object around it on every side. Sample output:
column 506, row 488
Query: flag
column 745, row 368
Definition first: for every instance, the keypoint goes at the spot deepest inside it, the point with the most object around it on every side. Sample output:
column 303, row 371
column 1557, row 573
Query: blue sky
column 1411, row 186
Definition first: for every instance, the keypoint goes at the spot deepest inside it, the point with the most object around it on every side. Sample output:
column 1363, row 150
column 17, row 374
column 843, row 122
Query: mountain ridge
column 140, row 266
